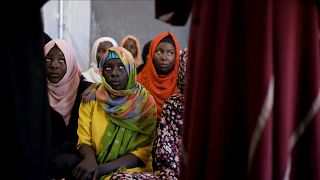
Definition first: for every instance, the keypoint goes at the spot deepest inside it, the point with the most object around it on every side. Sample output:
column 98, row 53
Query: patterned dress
column 167, row 156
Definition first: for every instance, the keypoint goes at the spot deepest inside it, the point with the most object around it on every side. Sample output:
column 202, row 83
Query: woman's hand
column 96, row 173
column 85, row 169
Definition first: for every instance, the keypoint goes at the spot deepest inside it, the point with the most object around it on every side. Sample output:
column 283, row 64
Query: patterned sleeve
column 168, row 137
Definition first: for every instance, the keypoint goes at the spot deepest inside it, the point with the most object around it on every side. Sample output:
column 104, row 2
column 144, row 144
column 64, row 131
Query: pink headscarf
column 63, row 94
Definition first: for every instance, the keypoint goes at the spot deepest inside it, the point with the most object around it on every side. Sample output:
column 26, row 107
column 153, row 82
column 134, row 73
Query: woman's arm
column 87, row 165
column 126, row 161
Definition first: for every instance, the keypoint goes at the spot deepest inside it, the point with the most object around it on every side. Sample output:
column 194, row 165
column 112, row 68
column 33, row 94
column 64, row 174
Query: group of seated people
column 113, row 122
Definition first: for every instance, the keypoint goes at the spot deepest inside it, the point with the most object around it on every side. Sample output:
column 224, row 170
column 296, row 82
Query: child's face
column 56, row 66
column 164, row 58
column 131, row 46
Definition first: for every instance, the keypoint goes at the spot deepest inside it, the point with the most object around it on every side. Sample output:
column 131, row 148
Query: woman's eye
column 121, row 67
column 48, row 59
column 170, row 53
column 107, row 68
column 62, row 61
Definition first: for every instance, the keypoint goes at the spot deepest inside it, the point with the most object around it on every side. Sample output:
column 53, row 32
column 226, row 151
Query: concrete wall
column 118, row 18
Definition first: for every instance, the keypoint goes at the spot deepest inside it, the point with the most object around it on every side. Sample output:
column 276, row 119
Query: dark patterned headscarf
column 182, row 69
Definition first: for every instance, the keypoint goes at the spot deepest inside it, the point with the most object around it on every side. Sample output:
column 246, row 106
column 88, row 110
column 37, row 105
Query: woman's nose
column 115, row 71
column 54, row 64
column 164, row 57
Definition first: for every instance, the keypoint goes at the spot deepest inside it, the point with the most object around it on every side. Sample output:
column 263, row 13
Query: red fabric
column 237, row 49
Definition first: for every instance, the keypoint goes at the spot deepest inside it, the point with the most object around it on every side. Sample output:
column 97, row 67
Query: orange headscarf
column 160, row 86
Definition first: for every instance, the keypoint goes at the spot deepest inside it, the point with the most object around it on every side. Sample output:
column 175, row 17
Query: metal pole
column 60, row 19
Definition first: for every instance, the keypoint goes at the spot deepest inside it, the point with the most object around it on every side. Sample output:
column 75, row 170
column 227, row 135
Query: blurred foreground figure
column 25, row 123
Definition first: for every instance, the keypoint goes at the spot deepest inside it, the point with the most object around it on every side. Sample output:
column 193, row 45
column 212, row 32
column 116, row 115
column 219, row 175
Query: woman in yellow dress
column 117, row 120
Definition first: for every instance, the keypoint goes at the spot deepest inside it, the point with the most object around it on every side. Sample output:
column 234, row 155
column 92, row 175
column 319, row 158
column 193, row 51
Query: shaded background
column 82, row 22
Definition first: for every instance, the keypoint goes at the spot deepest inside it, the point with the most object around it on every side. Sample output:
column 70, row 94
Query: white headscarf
column 92, row 74
column 62, row 95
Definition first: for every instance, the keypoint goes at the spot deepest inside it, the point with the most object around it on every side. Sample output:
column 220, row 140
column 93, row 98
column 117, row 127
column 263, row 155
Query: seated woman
column 65, row 86
column 117, row 120
column 99, row 47
column 167, row 154
column 160, row 73
column 132, row 44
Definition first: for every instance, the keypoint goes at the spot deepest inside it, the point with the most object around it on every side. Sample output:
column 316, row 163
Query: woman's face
column 164, row 58
column 56, row 66
column 102, row 48
column 115, row 74
column 131, row 46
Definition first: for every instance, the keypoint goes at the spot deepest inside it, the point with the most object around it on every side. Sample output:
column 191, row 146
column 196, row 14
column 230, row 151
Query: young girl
column 65, row 86
column 160, row 73
column 117, row 120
